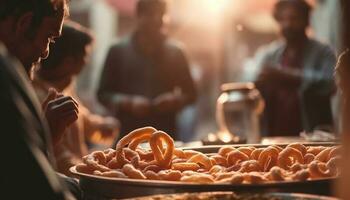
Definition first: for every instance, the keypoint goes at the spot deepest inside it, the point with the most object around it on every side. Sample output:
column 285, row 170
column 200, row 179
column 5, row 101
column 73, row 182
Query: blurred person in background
column 296, row 75
column 27, row 27
column 69, row 55
column 146, row 79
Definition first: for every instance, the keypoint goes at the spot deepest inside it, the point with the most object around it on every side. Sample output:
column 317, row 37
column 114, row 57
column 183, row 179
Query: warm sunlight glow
column 216, row 6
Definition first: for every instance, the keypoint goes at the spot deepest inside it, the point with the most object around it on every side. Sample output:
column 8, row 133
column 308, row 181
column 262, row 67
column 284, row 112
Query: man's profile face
column 48, row 30
column 292, row 23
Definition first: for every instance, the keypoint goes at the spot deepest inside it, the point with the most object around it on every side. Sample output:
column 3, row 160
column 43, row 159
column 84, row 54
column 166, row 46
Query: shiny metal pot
column 238, row 111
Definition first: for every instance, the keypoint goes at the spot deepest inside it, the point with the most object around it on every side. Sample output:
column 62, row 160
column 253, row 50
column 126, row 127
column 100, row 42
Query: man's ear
column 23, row 23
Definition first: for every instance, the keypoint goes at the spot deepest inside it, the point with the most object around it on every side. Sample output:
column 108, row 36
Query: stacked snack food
column 230, row 165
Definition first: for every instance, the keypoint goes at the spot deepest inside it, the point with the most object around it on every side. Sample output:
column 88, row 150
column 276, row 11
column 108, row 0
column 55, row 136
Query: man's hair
column 149, row 6
column 343, row 64
column 39, row 8
column 300, row 5
column 72, row 43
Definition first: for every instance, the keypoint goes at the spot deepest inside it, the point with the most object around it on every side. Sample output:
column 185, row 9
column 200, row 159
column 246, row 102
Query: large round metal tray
column 96, row 187
column 231, row 195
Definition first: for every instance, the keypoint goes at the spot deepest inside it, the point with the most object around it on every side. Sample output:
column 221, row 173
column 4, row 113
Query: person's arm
column 109, row 82
column 107, row 126
column 185, row 81
column 184, row 92
column 109, row 89
column 279, row 75
column 321, row 79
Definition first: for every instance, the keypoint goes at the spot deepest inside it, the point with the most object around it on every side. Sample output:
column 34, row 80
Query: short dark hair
column 40, row 8
column 301, row 6
column 149, row 6
column 72, row 43
column 343, row 64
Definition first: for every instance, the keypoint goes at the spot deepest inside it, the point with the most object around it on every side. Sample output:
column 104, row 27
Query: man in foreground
column 27, row 27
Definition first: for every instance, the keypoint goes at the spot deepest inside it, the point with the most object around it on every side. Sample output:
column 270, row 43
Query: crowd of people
column 146, row 81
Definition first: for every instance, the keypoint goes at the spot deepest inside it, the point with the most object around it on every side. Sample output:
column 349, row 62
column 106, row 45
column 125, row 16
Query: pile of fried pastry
column 230, row 165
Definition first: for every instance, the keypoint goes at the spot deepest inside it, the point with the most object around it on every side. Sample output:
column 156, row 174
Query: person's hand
column 269, row 74
column 60, row 111
column 278, row 74
column 110, row 127
column 167, row 102
column 140, row 106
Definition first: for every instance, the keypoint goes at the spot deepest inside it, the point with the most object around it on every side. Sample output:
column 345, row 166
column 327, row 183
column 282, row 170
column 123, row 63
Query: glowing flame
column 225, row 137
column 212, row 137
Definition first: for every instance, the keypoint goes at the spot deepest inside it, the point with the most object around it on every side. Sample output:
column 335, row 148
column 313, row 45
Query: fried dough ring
column 323, row 155
column 268, row 158
column 236, row 178
column 334, row 164
column 256, row 153
column 299, row 147
column 154, row 168
column 278, row 148
column 184, row 166
column 141, row 132
column 109, row 154
column 250, row 166
column 246, row 150
column 220, row 160
column 224, row 175
column 96, row 160
column 254, row 178
column 179, row 153
column 111, row 174
column 201, row 159
column 138, row 140
column 132, row 172
column 164, row 160
column 216, row 169
column 223, row 151
column 151, row 175
column 276, row 174
column 178, row 160
column 335, row 152
column 84, row 168
column 315, row 150
column 130, row 154
column 170, row 175
column 318, row 169
column 198, row 178
column 297, row 167
column 147, row 156
column 190, row 153
column 301, row 175
column 213, row 161
column 284, row 158
column 308, row 158
column 235, row 157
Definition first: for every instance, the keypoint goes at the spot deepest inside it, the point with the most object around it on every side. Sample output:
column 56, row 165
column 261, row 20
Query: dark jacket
column 26, row 170
column 127, row 71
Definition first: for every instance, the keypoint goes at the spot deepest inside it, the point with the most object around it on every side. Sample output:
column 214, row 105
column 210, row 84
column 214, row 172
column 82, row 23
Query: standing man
column 146, row 79
column 296, row 77
column 27, row 27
